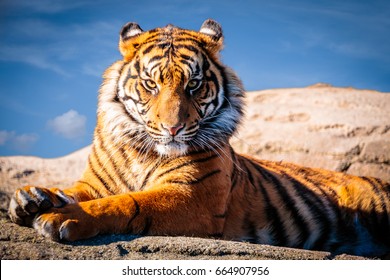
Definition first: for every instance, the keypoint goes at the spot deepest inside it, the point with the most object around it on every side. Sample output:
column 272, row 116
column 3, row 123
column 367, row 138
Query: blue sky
column 53, row 52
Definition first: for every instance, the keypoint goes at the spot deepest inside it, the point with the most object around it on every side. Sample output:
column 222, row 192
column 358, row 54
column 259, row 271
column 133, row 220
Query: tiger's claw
column 29, row 201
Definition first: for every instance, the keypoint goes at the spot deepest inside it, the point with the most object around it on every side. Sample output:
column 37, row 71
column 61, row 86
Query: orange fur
column 161, row 163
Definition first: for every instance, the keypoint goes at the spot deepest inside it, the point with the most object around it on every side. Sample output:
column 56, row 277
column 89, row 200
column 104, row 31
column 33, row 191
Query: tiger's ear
column 129, row 40
column 214, row 36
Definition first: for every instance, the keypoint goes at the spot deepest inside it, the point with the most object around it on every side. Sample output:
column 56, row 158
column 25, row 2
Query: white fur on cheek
column 116, row 117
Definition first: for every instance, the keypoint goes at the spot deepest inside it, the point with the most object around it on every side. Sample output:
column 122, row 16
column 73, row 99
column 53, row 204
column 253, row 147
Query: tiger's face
column 174, row 89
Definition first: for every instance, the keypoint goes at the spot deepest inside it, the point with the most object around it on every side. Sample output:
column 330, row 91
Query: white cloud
column 70, row 125
column 18, row 142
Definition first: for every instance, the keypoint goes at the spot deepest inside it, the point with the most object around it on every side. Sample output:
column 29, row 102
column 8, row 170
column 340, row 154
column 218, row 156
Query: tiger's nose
column 173, row 130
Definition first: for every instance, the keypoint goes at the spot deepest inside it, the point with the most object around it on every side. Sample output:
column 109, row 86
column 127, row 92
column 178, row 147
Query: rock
column 341, row 129
column 17, row 171
column 23, row 243
column 370, row 169
column 23, row 174
column 376, row 152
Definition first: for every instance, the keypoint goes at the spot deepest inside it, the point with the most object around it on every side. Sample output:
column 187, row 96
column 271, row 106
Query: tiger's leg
column 154, row 212
column 28, row 201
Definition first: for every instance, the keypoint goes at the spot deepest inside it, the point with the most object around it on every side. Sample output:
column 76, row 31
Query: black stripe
column 160, row 70
column 220, row 216
column 206, row 93
column 164, row 45
column 137, row 146
column 185, row 164
column 96, row 191
column 317, row 205
column 186, row 62
column 288, row 202
column 148, row 49
column 206, row 63
column 196, row 152
column 97, row 158
column 153, row 67
column 152, row 38
column 185, row 37
column 196, row 46
column 234, row 177
column 150, row 172
column 187, row 57
column 144, row 111
column 213, row 78
column 339, row 224
column 188, row 47
column 104, row 183
column 193, row 126
column 118, row 171
column 311, row 200
column 199, row 109
column 148, row 225
column 137, row 65
column 154, row 133
column 127, row 161
column 136, row 213
column 251, row 179
column 273, row 218
column 346, row 232
column 374, row 184
column 235, row 171
column 128, row 76
column 382, row 227
column 196, row 181
column 226, row 91
column 136, row 89
column 249, row 226
column 156, row 58
column 101, row 170
column 372, row 219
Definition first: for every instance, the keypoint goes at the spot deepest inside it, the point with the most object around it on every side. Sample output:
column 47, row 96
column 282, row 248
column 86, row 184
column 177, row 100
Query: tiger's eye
column 193, row 84
column 150, row 84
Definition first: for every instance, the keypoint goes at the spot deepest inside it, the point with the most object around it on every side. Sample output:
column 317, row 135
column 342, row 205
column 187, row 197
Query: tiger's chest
column 139, row 174
column 185, row 171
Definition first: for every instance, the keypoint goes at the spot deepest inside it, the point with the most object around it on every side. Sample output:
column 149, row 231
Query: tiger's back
column 161, row 163
column 310, row 208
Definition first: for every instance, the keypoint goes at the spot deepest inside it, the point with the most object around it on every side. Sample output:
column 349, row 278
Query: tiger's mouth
column 172, row 145
column 169, row 144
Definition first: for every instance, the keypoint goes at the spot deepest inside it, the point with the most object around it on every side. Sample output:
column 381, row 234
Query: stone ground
column 23, row 243
column 340, row 129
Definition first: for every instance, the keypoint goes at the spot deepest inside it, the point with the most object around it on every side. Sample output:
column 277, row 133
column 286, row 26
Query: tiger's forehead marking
column 171, row 37
column 170, row 55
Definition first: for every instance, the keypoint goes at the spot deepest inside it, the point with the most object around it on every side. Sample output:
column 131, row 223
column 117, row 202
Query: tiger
column 161, row 163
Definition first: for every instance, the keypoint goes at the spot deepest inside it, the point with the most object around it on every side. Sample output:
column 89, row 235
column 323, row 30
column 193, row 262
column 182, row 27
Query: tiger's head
column 170, row 94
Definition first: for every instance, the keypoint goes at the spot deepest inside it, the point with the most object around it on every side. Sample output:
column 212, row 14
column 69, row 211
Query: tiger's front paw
column 69, row 223
column 27, row 202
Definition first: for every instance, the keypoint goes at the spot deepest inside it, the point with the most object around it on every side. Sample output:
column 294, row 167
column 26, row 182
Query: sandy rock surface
column 341, row 129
